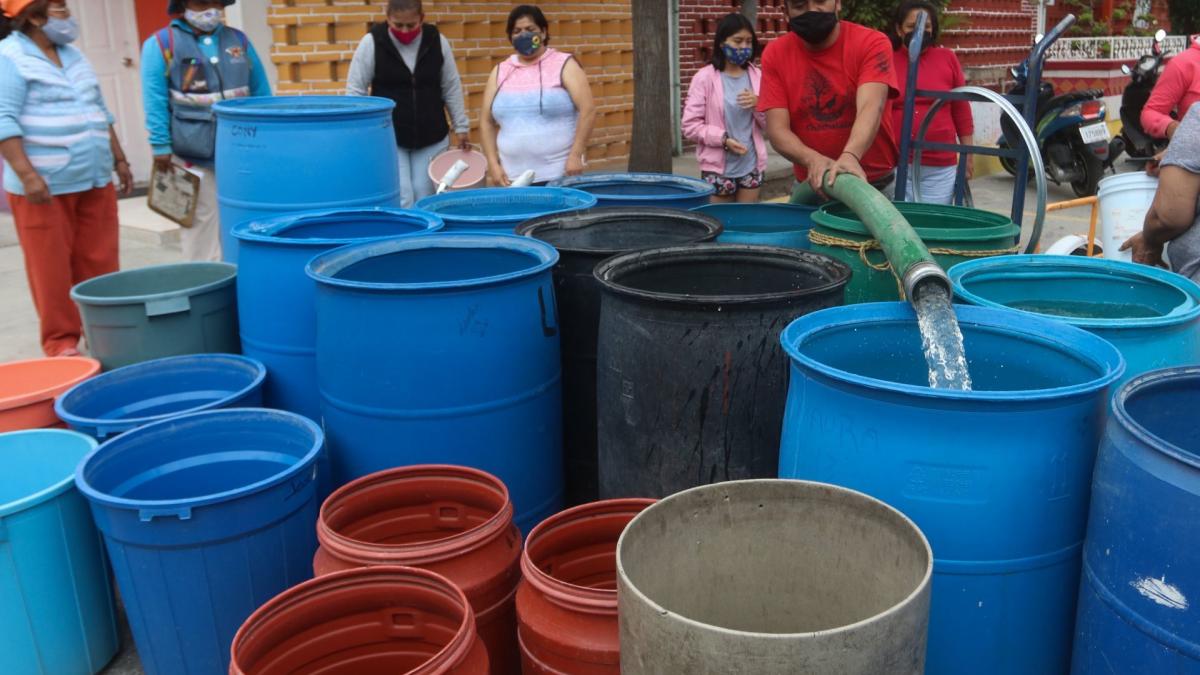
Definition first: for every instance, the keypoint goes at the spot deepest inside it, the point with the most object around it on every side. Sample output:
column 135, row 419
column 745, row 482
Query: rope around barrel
column 886, row 266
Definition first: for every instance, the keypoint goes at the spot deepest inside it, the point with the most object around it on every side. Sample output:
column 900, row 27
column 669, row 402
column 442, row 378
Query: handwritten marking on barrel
column 240, row 131
column 471, row 323
column 938, row 482
column 1160, row 592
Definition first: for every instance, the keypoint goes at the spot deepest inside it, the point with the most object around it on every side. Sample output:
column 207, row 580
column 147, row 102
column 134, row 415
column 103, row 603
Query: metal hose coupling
column 921, row 272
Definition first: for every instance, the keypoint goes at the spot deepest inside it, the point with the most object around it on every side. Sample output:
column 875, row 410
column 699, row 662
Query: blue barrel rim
column 258, row 107
column 925, row 585
column 961, row 273
column 258, row 367
column 600, row 214
column 1141, row 384
column 78, row 290
column 324, row 266
column 54, row 489
column 267, row 231
column 696, row 188
column 606, row 271
column 1045, row 331
column 580, row 200
column 302, row 464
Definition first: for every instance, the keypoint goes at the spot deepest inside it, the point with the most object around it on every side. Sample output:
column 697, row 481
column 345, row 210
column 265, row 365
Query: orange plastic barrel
column 28, row 388
column 365, row 621
column 567, row 600
column 451, row 520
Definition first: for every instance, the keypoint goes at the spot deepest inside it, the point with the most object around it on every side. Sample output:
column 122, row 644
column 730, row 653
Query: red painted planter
column 567, row 601
column 451, row 520
column 367, row 621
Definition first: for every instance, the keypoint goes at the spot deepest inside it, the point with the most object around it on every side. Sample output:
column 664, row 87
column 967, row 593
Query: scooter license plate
column 1094, row 133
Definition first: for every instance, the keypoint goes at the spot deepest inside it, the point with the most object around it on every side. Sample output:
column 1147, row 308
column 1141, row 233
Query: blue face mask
column 61, row 31
column 739, row 56
column 527, row 44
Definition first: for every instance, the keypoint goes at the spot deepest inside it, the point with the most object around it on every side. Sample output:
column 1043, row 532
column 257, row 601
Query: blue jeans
column 414, row 172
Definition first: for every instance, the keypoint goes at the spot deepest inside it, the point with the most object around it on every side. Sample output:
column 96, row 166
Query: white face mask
column 206, row 21
column 61, row 31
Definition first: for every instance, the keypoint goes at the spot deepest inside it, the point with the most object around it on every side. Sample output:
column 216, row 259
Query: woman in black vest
column 410, row 62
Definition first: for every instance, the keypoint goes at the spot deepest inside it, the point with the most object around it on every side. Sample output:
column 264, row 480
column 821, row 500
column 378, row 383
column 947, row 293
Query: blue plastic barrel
column 501, row 210
column 133, row 396
column 205, row 516
column 275, row 297
column 267, row 163
column 1141, row 565
column 444, row 349
column 785, row 225
column 1150, row 314
column 56, row 607
column 663, row 190
column 996, row 477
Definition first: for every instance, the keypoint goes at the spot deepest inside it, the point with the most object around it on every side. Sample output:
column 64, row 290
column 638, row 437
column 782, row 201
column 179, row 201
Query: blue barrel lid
column 64, row 406
column 105, row 465
column 1108, row 362
column 325, row 267
column 308, row 107
column 219, row 274
column 1042, row 266
column 55, row 452
column 282, row 230
column 1188, row 376
column 682, row 184
column 505, row 205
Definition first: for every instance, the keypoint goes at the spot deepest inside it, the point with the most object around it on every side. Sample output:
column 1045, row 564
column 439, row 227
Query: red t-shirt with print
column 819, row 89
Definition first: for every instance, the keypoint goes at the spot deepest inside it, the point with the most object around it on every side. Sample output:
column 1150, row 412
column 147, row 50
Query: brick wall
column 315, row 39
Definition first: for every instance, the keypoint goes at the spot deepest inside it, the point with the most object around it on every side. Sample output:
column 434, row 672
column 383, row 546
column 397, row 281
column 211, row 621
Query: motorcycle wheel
column 1092, row 168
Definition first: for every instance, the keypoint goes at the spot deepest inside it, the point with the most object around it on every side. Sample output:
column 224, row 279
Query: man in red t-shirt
column 825, row 86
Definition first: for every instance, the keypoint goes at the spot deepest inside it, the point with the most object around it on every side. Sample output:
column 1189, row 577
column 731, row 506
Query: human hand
column 747, row 99
column 498, row 177
column 124, row 178
column 574, row 164
column 970, row 168
column 36, row 190
column 1153, row 166
column 735, row 147
column 162, row 162
column 462, row 141
column 1144, row 252
column 817, row 167
column 846, row 163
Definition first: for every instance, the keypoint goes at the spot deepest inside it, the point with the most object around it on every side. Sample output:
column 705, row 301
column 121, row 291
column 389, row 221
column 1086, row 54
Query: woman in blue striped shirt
column 60, row 153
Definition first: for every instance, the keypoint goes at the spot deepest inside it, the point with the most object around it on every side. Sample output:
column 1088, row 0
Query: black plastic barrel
column 691, row 377
column 583, row 239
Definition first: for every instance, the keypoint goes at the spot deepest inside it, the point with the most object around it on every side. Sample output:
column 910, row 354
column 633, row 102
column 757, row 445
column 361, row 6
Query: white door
column 108, row 37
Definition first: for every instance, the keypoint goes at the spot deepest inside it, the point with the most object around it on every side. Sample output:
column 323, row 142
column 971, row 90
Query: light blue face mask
column 61, row 31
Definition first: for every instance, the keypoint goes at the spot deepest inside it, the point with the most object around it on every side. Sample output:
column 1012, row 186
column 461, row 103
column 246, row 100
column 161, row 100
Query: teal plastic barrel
column 137, row 315
column 56, row 606
column 269, row 163
column 1151, row 315
column 785, row 225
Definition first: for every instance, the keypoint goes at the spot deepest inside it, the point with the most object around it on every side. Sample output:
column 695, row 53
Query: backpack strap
column 166, row 43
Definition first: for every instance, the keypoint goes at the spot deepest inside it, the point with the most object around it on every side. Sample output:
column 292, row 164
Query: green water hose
column 910, row 259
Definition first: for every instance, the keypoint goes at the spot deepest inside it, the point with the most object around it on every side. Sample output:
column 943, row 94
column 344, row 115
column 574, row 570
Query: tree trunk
column 650, row 149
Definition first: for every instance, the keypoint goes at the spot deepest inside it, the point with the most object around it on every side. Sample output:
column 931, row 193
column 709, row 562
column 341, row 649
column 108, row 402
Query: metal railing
column 1115, row 48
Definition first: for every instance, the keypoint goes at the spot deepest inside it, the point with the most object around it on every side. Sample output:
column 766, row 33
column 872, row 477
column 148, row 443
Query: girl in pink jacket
column 720, row 116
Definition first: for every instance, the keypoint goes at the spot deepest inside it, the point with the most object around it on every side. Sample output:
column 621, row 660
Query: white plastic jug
column 1124, row 201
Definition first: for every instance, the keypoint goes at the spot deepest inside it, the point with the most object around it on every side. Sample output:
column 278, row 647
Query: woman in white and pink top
column 720, row 116
column 537, row 108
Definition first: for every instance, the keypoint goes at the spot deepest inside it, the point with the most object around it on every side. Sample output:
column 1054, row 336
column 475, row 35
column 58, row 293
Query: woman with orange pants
column 60, row 152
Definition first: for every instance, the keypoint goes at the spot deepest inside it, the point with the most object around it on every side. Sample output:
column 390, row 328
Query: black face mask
column 813, row 27
column 925, row 44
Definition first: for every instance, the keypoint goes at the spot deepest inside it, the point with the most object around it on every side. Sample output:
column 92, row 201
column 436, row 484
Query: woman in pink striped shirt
column 537, row 109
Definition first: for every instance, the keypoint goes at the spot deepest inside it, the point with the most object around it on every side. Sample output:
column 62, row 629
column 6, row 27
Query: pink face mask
column 405, row 37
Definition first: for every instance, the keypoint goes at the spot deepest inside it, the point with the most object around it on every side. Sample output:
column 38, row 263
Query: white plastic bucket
column 1124, row 201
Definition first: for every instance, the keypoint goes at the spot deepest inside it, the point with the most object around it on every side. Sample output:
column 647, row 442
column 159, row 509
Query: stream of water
column 941, row 338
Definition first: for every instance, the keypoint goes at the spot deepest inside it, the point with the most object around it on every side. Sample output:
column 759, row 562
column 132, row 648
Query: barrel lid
column 290, row 229
column 822, row 273
column 487, row 206
column 609, row 230
column 325, row 268
column 668, row 184
column 259, row 107
column 56, row 451
column 931, row 222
